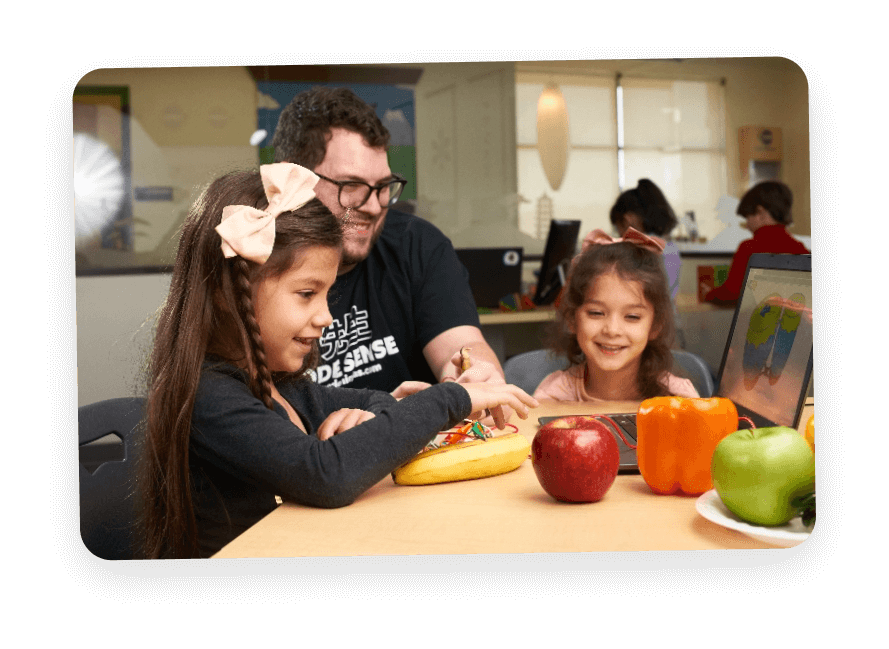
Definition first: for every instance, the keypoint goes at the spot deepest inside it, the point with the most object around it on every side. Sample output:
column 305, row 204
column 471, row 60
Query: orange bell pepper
column 676, row 437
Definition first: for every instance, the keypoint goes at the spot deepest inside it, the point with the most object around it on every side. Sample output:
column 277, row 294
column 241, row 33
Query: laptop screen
column 768, row 358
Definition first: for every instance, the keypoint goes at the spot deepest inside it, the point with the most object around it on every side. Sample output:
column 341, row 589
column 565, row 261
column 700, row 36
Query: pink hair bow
column 249, row 232
column 599, row 237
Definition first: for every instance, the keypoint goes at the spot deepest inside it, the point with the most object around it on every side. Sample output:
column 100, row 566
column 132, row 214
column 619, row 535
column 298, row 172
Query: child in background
column 766, row 208
column 645, row 208
column 233, row 420
column 615, row 325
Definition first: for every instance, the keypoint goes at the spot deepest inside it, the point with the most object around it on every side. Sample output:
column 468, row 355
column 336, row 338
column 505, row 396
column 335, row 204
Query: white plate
column 711, row 507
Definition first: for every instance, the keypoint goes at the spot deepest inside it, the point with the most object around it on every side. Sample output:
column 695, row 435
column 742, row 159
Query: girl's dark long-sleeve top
column 242, row 454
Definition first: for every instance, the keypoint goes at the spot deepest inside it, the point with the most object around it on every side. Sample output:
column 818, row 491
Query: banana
column 465, row 461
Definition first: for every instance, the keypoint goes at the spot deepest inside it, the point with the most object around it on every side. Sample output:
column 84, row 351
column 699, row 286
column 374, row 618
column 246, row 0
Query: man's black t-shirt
column 411, row 288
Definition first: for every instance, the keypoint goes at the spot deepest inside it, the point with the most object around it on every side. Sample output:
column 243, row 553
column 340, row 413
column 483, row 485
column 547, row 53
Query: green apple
column 758, row 472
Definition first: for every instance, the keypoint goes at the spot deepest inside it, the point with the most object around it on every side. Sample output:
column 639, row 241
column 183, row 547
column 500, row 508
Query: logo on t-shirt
column 349, row 350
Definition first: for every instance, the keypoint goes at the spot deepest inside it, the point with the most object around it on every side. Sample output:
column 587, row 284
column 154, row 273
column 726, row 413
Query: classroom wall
column 184, row 144
column 771, row 92
column 115, row 320
column 207, row 129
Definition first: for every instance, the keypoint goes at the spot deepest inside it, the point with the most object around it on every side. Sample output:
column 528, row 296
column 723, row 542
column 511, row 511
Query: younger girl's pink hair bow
column 599, row 237
column 250, row 233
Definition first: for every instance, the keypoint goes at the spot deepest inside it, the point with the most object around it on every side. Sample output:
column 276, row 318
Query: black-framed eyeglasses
column 354, row 193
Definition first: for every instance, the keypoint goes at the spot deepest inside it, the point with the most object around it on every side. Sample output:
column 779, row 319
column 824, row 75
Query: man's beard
column 350, row 259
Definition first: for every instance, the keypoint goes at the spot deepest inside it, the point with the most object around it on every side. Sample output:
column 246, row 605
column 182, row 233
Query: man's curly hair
column 304, row 126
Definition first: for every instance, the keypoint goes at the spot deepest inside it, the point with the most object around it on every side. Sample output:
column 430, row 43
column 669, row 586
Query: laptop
column 767, row 362
column 494, row 273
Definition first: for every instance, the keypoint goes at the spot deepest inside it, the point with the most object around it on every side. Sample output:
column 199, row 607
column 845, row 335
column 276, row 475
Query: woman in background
column 646, row 209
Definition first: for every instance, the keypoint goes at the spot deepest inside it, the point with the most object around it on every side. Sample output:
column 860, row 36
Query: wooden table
column 509, row 513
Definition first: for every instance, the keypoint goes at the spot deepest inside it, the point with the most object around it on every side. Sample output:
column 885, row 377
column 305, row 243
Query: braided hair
column 258, row 375
column 210, row 310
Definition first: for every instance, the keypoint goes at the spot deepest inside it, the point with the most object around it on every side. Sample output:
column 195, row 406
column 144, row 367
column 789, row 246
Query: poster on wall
column 394, row 106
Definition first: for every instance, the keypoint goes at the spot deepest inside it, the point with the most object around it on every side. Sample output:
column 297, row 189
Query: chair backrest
column 697, row 370
column 527, row 370
column 108, row 499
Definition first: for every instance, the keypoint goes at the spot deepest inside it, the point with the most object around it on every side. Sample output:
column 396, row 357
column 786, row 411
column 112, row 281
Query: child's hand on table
column 476, row 371
column 492, row 397
column 341, row 420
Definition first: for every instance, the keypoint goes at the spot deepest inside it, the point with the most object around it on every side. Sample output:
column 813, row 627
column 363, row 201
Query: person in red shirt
column 766, row 208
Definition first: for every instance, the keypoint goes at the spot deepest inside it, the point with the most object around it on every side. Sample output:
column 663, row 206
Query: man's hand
column 479, row 371
column 409, row 387
column 466, row 369
column 490, row 397
column 484, row 366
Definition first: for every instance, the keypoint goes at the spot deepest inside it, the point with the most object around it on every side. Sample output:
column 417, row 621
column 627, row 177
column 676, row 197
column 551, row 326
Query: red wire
column 617, row 428
column 620, row 432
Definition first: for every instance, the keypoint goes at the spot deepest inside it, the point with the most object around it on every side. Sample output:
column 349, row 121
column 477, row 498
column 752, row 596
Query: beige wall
column 771, row 92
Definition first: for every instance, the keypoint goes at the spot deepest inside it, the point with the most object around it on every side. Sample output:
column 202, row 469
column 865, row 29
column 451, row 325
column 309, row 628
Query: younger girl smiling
column 615, row 325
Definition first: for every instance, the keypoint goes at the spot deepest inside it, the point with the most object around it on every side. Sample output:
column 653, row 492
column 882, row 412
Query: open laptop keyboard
column 628, row 424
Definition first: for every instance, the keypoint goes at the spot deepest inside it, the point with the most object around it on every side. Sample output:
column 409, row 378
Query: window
column 620, row 130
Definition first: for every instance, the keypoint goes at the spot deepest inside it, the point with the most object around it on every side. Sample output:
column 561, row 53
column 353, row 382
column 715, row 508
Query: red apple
column 576, row 458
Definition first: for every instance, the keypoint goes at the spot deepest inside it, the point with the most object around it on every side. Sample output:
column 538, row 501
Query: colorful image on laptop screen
column 771, row 344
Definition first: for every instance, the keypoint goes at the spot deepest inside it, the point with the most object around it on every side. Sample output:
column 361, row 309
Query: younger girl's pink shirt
column 568, row 385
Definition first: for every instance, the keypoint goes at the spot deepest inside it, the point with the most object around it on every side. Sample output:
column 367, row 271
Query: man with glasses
column 402, row 307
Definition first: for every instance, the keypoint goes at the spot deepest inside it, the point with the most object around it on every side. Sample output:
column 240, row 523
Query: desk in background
column 504, row 514
column 704, row 327
column 513, row 332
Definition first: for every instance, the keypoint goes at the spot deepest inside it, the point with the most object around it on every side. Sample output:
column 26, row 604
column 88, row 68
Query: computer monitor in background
column 561, row 244
column 494, row 273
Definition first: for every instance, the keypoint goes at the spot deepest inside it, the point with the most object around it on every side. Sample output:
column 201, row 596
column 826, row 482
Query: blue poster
column 394, row 105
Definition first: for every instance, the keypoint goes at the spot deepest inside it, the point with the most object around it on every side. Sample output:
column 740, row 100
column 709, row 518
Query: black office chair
column 528, row 369
column 108, row 498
